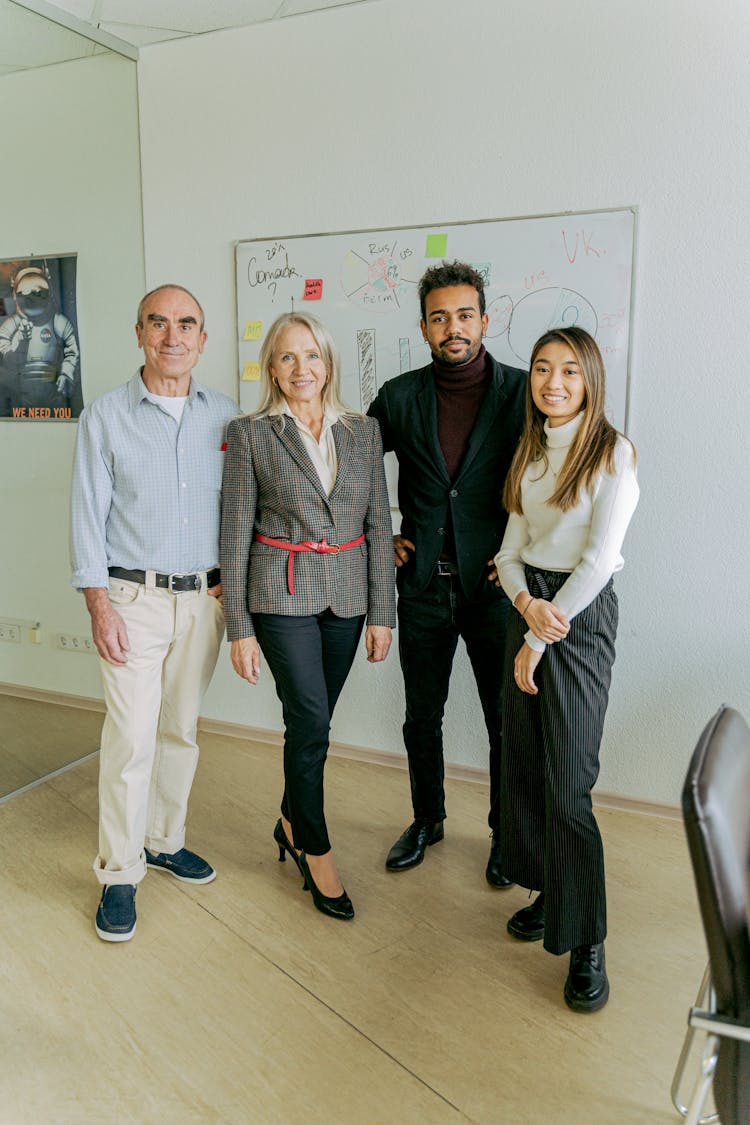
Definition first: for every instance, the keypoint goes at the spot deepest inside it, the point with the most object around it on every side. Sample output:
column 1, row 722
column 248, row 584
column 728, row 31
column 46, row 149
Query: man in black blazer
column 454, row 426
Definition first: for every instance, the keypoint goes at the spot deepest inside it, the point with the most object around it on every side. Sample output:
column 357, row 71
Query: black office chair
column 716, row 811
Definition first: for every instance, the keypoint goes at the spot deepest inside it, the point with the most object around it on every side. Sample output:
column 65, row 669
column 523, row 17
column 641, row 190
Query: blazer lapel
column 289, row 437
column 343, row 441
column 427, row 403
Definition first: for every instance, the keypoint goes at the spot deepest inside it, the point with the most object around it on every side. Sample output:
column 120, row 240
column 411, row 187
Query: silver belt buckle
column 171, row 577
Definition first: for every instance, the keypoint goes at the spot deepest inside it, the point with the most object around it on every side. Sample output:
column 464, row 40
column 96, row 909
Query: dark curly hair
column 451, row 273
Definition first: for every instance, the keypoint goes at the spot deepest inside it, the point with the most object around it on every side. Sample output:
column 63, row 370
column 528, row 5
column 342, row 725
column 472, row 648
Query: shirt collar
column 137, row 390
column 330, row 415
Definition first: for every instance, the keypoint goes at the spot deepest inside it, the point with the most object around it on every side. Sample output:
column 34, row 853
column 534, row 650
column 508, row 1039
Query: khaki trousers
column 149, row 752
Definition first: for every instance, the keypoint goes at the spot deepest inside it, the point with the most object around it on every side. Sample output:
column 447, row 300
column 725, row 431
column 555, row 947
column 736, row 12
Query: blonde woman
column 571, row 492
column 306, row 555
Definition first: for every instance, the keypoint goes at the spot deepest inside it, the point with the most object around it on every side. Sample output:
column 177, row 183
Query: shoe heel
column 285, row 846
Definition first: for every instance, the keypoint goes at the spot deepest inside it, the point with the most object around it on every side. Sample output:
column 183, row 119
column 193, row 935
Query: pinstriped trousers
column 551, row 740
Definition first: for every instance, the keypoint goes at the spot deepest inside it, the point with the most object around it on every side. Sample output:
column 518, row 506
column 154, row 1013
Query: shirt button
column 185, row 520
column 441, row 531
column 454, row 492
column 184, row 485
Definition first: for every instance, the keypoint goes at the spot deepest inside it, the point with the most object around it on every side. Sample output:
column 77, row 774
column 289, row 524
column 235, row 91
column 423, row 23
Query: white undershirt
column 586, row 540
column 322, row 451
column 173, row 404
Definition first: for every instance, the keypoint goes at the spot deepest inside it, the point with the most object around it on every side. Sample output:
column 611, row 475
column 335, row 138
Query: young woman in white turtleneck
column 571, row 492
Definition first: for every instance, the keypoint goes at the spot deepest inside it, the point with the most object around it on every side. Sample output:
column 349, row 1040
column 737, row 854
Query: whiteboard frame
column 439, row 227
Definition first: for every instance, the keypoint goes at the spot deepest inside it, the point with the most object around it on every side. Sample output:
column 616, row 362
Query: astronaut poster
column 40, row 360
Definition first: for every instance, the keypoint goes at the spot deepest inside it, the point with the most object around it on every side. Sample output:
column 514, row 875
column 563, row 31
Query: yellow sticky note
column 253, row 330
column 251, row 374
column 437, row 246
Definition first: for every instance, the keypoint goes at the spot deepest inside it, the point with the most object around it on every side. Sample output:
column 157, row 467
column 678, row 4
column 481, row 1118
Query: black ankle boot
column 587, row 987
column 494, row 873
column 528, row 924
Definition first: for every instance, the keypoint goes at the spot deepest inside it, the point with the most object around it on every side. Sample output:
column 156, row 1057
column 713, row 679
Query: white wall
column 71, row 183
column 396, row 113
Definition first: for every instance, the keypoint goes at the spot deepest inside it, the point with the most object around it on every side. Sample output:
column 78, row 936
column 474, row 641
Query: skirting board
column 341, row 750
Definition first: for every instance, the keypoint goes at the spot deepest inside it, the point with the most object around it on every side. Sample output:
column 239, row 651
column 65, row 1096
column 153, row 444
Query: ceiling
column 28, row 41
column 42, row 32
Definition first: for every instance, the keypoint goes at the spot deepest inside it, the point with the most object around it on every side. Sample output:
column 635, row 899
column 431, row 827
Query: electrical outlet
column 69, row 642
column 10, row 632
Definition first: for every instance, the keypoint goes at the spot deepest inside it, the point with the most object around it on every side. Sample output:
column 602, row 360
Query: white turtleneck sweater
column 586, row 540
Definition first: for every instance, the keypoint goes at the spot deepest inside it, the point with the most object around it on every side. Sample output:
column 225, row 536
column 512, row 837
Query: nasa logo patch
column 46, row 335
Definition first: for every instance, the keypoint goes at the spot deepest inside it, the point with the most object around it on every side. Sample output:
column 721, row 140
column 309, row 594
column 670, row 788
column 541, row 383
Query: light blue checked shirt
column 146, row 491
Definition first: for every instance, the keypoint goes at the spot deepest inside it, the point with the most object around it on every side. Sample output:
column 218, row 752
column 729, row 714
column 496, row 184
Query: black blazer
column 406, row 408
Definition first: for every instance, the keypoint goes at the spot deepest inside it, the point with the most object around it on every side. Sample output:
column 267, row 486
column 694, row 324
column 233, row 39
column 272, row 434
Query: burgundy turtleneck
column 459, row 392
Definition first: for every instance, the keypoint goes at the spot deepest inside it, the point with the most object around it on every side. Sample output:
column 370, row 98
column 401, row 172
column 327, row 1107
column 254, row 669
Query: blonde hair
column 593, row 448
column 271, row 394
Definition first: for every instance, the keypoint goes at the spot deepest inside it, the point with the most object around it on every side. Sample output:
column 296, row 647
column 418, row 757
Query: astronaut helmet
column 32, row 292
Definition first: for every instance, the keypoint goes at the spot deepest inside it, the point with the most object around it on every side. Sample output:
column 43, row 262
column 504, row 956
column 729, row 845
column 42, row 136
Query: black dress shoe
column 528, row 924
column 587, row 987
column 411, row 845
column 494, row 872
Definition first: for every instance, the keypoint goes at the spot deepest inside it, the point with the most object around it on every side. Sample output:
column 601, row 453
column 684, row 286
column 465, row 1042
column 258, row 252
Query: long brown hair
column 593, row 448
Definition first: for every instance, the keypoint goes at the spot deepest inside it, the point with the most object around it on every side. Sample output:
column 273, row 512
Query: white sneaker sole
column 105, row 935
column 182, row 878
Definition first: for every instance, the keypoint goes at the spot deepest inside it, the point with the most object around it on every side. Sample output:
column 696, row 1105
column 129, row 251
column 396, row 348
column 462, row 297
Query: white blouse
column 585, row 541
column 322, row 452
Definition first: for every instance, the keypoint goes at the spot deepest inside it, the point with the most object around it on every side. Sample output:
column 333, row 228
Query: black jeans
column 309, row 658
column 429, row 628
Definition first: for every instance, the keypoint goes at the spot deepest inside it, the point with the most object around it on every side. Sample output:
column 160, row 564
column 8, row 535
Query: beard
column 457, row 359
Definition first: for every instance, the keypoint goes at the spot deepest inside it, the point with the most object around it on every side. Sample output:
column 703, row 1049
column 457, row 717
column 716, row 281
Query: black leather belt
column 176, row 583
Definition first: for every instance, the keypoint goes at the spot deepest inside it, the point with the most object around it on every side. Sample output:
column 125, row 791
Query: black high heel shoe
column 282, row 840
column 340, row 907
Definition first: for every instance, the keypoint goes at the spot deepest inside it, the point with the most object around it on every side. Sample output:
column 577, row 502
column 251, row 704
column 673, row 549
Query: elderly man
column 454, row 426
column 145, row 547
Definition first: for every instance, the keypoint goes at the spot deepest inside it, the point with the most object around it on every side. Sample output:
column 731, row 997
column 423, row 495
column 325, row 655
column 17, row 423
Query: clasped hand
column 546, row 621
column 523, row 668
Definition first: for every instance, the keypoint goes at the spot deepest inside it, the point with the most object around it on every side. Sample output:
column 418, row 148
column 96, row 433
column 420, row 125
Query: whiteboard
column 539, row 272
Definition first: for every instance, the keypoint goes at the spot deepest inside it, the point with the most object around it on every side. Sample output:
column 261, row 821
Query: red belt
column 322, row 548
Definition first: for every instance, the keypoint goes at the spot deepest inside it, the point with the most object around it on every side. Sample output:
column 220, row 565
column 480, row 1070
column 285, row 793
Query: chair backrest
column 716, row 810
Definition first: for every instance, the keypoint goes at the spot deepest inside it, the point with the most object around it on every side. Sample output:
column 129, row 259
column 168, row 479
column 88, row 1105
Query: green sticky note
column 437, row 246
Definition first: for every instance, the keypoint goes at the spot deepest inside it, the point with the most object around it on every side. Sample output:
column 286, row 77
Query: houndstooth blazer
column 271, row 486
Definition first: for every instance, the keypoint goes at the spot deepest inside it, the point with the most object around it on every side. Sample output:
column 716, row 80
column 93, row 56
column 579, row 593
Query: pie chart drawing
column 374, row 283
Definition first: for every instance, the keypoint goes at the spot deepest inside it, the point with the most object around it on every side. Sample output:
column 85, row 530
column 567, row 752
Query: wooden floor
column 37, row 738
column 238, row 1003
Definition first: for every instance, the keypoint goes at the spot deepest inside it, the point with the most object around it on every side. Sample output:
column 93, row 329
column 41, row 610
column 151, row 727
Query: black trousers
column 309, row 658
column 429, row 628
column 551, row 840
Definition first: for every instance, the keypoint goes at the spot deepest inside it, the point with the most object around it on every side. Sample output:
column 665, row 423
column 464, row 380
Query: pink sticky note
column 313, row 289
